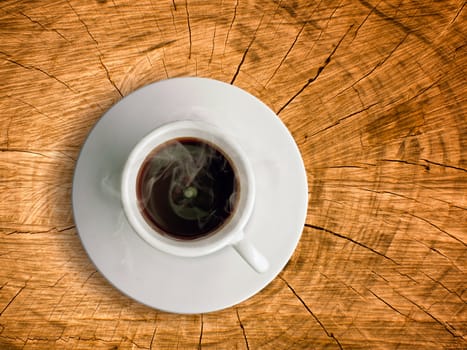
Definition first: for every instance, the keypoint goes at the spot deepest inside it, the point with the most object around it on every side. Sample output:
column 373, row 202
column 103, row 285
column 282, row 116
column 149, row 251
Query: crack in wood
column 98, row 304
column 108, row 76
column 189, row 27
column 246, row 52
column 452, row 205
column 23, row 340
column 58, row 281
column 352, row 241
column 83, row 23
column 90, row 339
column 444, row 165
column 379, row 64
column 389, row 192
column 97, row 47
column 344, row 118
column 289, row 9
column 44, row 27
column 201, row 332
column 343, row 283
column 393, row 21
column 398, row 8
column 377, row 274
column 11, row 60
column 12, row 299
column 364, row 20
column 286, row 54
column 361, row 103
column 10, row 121
column 389, row 305
column 131, row 341
column 453, row 263
column 273, row 15
column 88, row 278
column 59, row 301
column 322, row 29
column 213, row 44
column 445, row 325
column 405, row 162
column 406, row 275
column 230, row 27
column 165, row 68
column 122, row 16
column 423, row 90
column 457, row 13
column 153, row 335
column 53, row 229
column 23, row 151
column 159, row 46
column 154, row 10
column 243, row 330
column 31, row 106
column 318, row 72
column 341, row 167
column 446, row 288
column 438, row 228
column 173, row 19
column 329, row 334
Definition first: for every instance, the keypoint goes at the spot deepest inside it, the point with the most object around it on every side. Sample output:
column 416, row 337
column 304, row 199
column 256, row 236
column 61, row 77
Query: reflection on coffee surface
column 187, row 188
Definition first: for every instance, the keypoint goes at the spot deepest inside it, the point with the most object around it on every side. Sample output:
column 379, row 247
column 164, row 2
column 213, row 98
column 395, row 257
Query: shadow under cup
column 187, row 188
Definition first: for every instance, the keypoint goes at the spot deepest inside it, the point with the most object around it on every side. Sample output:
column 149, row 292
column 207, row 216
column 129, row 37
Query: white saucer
column 189, row 285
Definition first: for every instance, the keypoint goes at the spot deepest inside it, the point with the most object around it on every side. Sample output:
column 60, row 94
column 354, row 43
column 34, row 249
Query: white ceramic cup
column 232, row 232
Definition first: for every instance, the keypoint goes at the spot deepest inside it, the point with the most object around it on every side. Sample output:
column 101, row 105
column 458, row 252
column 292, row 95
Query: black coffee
column 187, row 188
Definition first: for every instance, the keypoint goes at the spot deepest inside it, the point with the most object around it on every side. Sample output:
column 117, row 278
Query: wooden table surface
column 373, row 92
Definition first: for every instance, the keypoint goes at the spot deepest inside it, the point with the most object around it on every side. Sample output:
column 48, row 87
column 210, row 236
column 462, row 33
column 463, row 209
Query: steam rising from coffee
column 187, row 188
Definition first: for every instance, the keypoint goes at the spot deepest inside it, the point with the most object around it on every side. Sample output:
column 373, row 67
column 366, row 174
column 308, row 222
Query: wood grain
column 374, row 94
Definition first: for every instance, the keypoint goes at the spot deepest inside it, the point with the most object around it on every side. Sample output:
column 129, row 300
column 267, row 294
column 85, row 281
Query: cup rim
column 231, row 231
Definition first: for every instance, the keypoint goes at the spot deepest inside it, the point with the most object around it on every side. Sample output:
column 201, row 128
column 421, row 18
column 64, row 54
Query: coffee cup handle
column 251, row 255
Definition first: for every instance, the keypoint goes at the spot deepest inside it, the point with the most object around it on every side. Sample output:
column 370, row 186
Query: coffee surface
column 187, row 188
